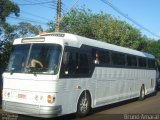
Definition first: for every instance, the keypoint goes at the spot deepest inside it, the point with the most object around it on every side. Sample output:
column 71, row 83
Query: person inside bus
column 96, row 58
column 36, row 63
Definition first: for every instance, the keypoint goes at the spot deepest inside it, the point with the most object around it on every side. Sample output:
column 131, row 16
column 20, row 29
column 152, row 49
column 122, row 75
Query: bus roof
column 78, row 41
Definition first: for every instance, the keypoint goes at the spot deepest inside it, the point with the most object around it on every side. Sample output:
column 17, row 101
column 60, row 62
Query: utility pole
column 58, row 18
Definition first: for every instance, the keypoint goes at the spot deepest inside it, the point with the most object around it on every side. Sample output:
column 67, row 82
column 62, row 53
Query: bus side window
column 104, row 57
column 68, row 63
column 83, row 64
column 131, row 61
column 65, row 60
column 118, row 59
column 142, row 62
column 74, row 63
column 151, row 63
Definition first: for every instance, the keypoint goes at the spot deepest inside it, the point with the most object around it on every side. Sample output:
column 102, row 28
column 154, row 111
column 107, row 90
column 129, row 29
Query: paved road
column 134, row 110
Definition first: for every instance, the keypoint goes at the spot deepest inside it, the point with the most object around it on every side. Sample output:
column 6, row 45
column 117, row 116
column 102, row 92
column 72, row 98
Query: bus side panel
column 68, row 93
column 117, row 84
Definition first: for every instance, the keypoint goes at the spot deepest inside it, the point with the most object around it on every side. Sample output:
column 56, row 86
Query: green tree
column 8, row 7
column 5, row 44
column 21, row 30
column 24, row 29
column 100, row 26
column 8, row 33
column 153, row 47
column 104, row 27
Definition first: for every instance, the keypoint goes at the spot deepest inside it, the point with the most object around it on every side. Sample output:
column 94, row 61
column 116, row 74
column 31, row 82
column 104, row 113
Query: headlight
column 50, row 99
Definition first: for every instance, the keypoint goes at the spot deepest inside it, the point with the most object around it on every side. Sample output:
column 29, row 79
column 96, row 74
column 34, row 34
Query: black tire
column 142, row 93
column 84, row 105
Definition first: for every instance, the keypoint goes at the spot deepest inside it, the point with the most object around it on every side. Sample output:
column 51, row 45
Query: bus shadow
column 158, row 89
column 65, row 117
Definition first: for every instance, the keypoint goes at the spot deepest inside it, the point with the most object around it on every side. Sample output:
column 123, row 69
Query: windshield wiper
column 34, row 70
column 11, row 70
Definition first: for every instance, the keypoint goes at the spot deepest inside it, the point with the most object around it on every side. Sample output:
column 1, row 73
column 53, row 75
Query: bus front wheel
column 84, row 104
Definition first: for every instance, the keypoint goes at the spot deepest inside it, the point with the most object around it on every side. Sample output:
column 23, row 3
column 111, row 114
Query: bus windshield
column 35, row 58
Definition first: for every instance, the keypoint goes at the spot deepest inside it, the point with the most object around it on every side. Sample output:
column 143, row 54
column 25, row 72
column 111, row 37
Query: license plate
column 22, row 96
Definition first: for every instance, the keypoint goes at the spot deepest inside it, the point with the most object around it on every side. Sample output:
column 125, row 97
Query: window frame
column 75, row 74
column 131, row 65
column 139, row 64
column 119, row 55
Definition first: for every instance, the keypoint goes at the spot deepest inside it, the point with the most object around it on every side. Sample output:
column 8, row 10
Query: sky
column 143, row 12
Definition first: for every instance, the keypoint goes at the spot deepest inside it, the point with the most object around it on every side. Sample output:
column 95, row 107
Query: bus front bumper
column 31, row 110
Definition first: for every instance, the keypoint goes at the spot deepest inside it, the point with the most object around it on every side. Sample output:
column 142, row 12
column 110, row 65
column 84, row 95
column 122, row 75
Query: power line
column 58, row 17
column 59, row 8
column 34, row 15
column 53, row 7
column 33, row 20
column 72, row 7
column 76, row 1
column 28, row 19
column 39, row 3
column 50, row 4
column 129, row 18
column 53, row 3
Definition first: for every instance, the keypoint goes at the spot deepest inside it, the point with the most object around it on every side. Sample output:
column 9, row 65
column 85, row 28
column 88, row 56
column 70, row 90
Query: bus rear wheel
column 84, row 104
column 142, row 93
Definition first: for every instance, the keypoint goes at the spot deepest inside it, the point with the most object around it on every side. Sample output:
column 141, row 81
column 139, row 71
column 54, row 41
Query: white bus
column 54, row 74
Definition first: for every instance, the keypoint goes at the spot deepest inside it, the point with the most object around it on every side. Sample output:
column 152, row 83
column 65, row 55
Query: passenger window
column 68, row 63
column 83, row 65
column 118, row 58
column 75, row 63
column 104, row 57
column 131, row 61
column 142, row 62
column 101, row 56
column 151, row 63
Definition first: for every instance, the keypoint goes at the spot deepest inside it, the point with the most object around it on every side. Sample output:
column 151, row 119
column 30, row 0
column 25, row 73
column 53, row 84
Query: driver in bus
column 35, row 63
